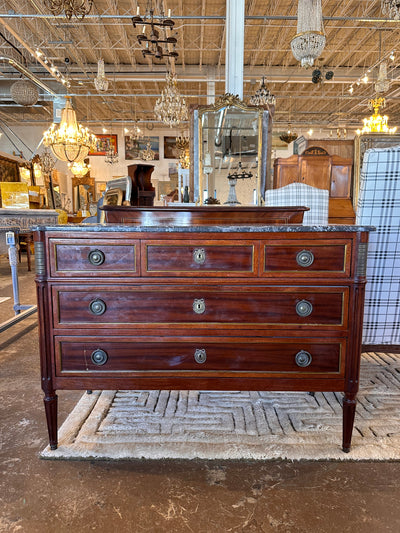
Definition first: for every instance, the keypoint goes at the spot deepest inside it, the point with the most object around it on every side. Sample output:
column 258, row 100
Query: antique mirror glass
column 230, row 153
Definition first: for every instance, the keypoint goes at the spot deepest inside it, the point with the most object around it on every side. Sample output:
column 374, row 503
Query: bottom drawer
column 168, row 355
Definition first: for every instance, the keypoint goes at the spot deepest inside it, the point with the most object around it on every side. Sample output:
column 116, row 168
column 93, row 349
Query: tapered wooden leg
column 349, row 411
column 50, row 405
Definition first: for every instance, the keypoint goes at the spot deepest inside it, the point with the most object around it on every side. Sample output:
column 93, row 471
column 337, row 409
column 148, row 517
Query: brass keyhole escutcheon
column 200, row 355
column 303, row 358
column 96, row 257
column 97, row 307
column 199, row 306
column 305, row 258
column 199, row 256
column 304, row 308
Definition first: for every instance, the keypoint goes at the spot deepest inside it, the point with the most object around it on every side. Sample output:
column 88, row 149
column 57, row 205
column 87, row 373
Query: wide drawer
column 307, row 257
column 198, row 258
column 113, row 354
column 93, row 257
column 280, row 306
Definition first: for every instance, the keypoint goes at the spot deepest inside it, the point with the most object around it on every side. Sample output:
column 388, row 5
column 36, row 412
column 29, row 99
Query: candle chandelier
column 391, row 8
column 76, row 8
column 153, row 44
column 79, row 169
column 69, row 141
column 376, row 123
column 171, row 108
column 111, row 156
column 310, row 39
column 182, row 143
column 262, row 96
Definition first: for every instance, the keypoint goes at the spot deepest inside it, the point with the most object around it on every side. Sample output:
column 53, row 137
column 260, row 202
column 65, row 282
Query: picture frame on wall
column 170, row 149
column 104, row 143
column 100, row 189
column 134, row 148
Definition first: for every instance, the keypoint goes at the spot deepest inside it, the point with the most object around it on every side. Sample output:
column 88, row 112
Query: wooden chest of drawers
column 247, row 308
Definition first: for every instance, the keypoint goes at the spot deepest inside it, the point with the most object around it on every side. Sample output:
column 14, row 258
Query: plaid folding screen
column 301, row 194
column 379, row 206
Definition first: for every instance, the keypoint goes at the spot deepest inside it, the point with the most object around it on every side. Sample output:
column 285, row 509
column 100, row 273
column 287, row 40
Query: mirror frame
column 230, row 100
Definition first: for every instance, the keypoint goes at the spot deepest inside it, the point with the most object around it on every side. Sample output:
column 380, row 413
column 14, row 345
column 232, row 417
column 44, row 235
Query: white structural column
column 234, row 47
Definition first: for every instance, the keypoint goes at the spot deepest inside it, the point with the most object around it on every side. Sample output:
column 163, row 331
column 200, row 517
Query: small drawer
column 279, row 307
column 93, row 257
column 303, row 258
column 105, row 354
column 198, row 259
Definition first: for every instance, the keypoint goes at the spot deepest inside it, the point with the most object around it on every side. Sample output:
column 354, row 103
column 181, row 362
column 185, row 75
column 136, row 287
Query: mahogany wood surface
column 200, row 309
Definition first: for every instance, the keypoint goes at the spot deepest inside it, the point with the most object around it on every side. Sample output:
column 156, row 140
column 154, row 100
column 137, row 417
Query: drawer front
column 93, row 258
column 185, row 305
column 305, row 258
column 176, row 259
column 105, row 354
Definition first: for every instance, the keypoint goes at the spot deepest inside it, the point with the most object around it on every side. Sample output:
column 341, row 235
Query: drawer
column 95, row 257
column 114, row 354
column 305, row 258
column 140, row 304
column 222, row 258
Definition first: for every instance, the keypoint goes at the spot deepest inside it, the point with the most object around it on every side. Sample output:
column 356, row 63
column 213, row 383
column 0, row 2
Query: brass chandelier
column 76, row 8
column 171, row 108
column 69, row 141
column 79, row 169
column 376, row 123
column 153, row 44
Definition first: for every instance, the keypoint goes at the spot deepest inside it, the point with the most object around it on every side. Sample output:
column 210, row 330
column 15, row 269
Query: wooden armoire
column 317, row 168
column 143, row 191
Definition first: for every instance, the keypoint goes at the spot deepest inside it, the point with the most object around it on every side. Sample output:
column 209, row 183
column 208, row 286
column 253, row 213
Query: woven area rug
column 237, row 425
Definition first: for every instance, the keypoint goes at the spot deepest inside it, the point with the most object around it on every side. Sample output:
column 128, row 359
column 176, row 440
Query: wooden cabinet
column 219, row 308
column 143, row 192
column 317, row 168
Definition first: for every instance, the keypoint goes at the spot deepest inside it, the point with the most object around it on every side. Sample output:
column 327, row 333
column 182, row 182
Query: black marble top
column 254, row 228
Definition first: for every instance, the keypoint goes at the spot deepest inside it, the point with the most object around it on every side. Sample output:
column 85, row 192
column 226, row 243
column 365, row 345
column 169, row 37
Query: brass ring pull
column 99, row 357
column 305, row 258
column 199, row 256
column 200, row 355
column 97, row 307
column 304, row 308
column 303, row 358
column 96, row 257
column 199, row 306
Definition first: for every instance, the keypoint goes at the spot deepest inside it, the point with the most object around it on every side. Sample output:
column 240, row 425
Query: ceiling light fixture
column 69, row 141
column 382, row 83
column 376, row 123
column 171, row 108
column 79, row 169
column 153, row 44
column 310, row 39
column 111, row 156
column 76, row 8
column 262, row 96
column 391, row 8
column 100, row 81
column 147, row 154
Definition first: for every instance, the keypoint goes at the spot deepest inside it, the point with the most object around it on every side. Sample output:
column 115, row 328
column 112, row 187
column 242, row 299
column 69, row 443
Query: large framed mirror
column 230, row 153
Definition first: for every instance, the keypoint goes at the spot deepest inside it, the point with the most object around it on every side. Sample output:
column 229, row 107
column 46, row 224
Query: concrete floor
column 38, row 496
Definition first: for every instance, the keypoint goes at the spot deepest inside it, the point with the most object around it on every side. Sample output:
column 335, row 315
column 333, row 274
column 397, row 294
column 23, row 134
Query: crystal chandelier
column 171, row 108
column 79, row 169
column 153, row 43
column 77, row 8
column 262, row 96
column 391, row 8
column 383, row 82
column 147, row 154
column 310, row 39
column 46, row 162
column 69, row 141
column 376, row 123
column 100, row 81
column 111, row 156
column 136, row 132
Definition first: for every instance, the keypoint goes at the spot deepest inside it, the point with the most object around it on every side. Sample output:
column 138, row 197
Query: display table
column 249, row 307
column 24, row 220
